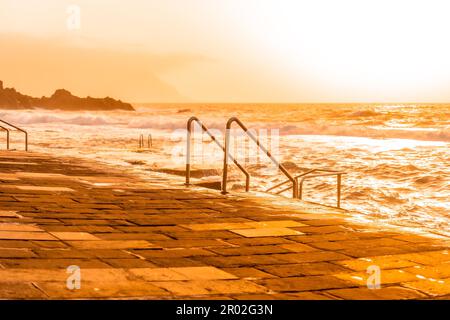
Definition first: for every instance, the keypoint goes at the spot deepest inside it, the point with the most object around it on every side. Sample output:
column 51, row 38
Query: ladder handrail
column 338, row 175
column 213, row 138
column 307, row 175
column 141, row 141
column 258, row 143
column 7, row 136
column 297, row 177
column 150, row 141
column 18, row 129
column 286, row 181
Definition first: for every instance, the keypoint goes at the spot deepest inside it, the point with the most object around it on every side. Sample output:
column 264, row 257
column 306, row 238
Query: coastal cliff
column 61, row 99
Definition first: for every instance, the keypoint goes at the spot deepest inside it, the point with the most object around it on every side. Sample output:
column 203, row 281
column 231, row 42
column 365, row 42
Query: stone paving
column 156, row 239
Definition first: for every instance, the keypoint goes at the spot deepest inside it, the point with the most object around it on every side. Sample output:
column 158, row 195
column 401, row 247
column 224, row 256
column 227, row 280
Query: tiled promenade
column 159, row 240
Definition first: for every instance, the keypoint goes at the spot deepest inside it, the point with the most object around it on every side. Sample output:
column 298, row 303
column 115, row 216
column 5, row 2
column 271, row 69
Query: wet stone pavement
column 156, row 239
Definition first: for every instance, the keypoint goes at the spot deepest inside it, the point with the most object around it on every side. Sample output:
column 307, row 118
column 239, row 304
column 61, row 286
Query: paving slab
column 387, row 293
column 386, row 277
column 74, row 236
column 432, row 287
column 15, row 235
column 111, row 244
column 103, row 290
column 46, row 189
column 219, row 287
column 308, row 283
column 204, row 273
column 19, row 227
column 19, row 290
column 266, row 232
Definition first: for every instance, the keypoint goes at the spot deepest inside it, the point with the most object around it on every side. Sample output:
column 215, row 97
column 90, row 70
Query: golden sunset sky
column 229, row 50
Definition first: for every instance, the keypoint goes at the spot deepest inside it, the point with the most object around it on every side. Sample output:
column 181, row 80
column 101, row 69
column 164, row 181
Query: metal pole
column 188, row 151
column 300, row 189
column 141, row 141
column 257, row 150
column 7, row 136
column 150, row 141
column 203, row 151
column 225, row 160
column 339, row 176
column 235, row 146
column 247, row 151
column 294, row 190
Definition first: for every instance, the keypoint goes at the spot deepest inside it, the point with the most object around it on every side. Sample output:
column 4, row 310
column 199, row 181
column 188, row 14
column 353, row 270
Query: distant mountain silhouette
column 61, row 99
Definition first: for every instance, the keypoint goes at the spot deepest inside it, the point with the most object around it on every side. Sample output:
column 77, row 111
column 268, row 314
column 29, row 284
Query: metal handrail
column 286, row 181
column 296, row 177
column 258, row 143
column 18, row 129
column 150, row 141
column 141, row 141
column 338, row 175
column 7, row 136
column 213, row 138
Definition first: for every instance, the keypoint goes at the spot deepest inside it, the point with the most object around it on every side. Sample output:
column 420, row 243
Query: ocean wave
column 389, row 167
column 166, row 123
column 428, row 180
column 35, row 117
column 363, row 114
column 355, row 131
column 155, row 123
column 176, row 122
column 169, row 123
column 89, row 120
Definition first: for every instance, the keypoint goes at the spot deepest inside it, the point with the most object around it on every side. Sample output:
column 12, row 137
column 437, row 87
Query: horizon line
column 298, row 102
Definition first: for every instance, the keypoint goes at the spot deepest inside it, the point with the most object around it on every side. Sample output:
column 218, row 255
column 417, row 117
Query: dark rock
column 61, row 99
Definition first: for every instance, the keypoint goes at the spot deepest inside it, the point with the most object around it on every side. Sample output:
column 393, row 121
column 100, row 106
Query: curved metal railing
column 7, row 136
column 287, row 181
column 258, row 143
column 18, row 129
column 149, row 141
column 300, row 179
column 141, row 141
column 213, row 138
column 338, row 175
